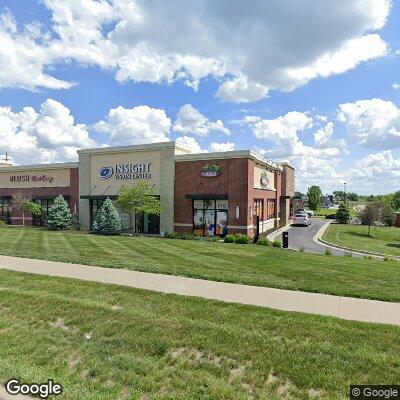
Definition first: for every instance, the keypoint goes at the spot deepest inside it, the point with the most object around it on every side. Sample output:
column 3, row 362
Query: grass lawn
column 324, row 211
column 110, row 342
column 247, row 264
column 382, row 240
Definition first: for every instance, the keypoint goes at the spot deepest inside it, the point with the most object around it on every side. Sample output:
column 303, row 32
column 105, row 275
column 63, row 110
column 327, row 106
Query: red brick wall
column 233, row 181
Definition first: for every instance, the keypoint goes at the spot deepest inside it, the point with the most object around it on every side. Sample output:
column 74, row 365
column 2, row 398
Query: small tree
column 138, row 199
column 59, row 215
column 387, row 215
column 343, row 214
column 107, row 221
column 314, row 195
column 395, row 201
column 369, row 214
column 26, row 205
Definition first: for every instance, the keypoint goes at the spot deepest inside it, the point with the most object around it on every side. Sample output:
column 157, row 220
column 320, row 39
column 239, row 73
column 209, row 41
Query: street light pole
column 345, row 192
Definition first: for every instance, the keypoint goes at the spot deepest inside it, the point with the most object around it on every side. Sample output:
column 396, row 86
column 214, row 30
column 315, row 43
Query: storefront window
column 45, row 204
column 5, row 209
column 95, row 205
column 210, row 217
column 271, row 209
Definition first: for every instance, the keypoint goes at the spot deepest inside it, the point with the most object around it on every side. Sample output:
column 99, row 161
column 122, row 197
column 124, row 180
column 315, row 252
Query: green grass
column 382, row 240
column 110, row 342
column 246, row 264
column 324, row 211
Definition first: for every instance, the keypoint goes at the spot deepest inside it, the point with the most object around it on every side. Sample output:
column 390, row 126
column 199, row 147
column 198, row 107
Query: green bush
column 107, row 221
column 263, row 241
column 242, row 239
column 59, row 215
column 277, row 243
column 2, row 223
column 181, row 235
column 229, row 239
column 343, row 214
column 388, row 258
column 328, row 252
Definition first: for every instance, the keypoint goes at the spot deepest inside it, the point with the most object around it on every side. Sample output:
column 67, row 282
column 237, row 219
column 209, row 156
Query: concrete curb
column 318, row 239
column 271, row 237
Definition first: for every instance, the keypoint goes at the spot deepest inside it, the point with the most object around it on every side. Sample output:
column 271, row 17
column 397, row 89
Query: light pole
column 344, row 192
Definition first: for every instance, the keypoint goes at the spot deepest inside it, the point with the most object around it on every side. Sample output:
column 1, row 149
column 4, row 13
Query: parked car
column 301, row 218
column 310, row 213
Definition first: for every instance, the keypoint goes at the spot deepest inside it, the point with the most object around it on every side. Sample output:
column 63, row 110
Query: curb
column 274, row 234
column 318, row 239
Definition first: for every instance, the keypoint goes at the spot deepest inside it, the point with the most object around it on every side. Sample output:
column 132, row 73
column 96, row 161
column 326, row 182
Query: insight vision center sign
column 126, row 171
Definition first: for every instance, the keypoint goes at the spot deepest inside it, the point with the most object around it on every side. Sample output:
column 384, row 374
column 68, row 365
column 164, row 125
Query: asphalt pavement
column 301, row 237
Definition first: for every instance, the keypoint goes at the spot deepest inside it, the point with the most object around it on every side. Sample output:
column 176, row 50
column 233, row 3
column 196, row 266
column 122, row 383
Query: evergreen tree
column 59, row 215
column 387, row 215
column 343, row 214
column 107, row 221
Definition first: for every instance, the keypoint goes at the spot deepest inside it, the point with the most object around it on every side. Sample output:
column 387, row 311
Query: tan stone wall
column 111, row 185
column 35, row 178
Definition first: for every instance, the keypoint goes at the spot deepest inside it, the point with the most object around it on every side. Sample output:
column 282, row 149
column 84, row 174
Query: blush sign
column 31, row 178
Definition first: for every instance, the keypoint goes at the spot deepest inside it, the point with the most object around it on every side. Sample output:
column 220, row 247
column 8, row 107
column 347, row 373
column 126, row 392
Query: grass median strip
column 106, row 342
column 383, row 239
column 246, row 264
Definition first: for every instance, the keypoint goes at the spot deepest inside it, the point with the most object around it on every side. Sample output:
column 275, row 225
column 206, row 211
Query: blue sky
column 289, row 71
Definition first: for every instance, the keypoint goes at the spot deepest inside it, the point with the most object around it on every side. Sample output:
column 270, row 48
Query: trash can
column 285, row 240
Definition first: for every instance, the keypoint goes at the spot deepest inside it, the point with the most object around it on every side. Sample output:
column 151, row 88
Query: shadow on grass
column 395, row 245
column 358, row 234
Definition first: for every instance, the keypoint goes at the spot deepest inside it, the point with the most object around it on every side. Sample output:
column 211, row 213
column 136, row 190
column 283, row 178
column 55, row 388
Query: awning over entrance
column 207, row 196
column 98, row 197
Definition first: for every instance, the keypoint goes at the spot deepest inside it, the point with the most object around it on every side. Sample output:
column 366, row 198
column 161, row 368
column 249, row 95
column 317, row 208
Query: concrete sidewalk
column 287, row 300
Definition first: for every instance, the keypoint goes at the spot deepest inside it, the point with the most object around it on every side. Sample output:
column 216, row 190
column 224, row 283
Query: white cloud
column 192, row 121
column 23, row 59
column 239, row 90
column 253, row 48
column 283, row 131
column 191, row 143
column 229, row 146
column 137, row 125
column 49, row 135
column 396, row 86
column 373, row 123
column 323, row 138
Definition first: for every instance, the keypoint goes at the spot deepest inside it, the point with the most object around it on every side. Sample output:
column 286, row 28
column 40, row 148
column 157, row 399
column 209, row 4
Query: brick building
column 205, row 193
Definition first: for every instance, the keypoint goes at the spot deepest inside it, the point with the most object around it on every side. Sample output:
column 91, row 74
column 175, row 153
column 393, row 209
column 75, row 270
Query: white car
column 301, row 218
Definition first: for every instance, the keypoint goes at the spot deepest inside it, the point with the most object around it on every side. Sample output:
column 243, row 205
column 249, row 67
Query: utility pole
column 345, row 194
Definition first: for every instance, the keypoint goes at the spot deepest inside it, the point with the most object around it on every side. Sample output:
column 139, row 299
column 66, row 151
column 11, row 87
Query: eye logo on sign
column 105, row 172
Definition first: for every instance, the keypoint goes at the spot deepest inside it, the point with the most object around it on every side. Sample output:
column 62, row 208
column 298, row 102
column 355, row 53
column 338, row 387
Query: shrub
column 388, row 258
column 181, row 235
column 242, row 239
column 277, row 243
column 343, row 214
column 263, row 241
column 328, row 252
column 2, row 223
column 107, row 221
column 301, row 249
column 59, row 215
column 229, row 239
